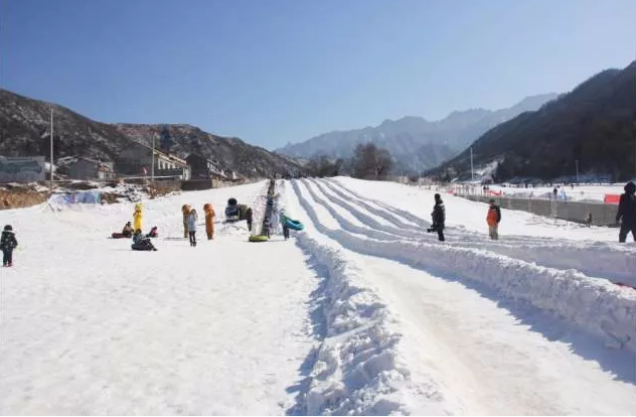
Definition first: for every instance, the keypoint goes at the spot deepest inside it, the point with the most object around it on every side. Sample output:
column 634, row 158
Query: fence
column 574, row 211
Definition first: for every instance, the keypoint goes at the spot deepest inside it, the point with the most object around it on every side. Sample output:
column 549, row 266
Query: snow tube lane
column 595, row 259
column 493, row 370
column 370, row 220
column 369, row 205
column 593, row 305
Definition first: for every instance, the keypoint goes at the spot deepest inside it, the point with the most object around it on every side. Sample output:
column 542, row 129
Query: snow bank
column 596, row 306
column 357, row 368
column 597, row 259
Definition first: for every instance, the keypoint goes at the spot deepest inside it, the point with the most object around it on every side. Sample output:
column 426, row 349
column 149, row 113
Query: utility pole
column 472, row 171
column 577, row 171
column 51, row 165
column 152, row 171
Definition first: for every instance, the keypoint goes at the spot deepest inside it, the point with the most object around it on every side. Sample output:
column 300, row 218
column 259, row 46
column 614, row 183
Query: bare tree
column 371, row 162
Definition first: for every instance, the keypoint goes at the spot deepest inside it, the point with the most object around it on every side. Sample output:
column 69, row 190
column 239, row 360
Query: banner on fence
column 612, row 198
column 23, row 169
column 87, row 197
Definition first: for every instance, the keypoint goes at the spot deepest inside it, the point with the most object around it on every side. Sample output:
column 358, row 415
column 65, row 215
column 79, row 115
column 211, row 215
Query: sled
column 294, row 224
column 259, row 238
column 119, row 235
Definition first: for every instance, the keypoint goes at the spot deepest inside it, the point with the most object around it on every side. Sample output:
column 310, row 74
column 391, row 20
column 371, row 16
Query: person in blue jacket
column 192, row 227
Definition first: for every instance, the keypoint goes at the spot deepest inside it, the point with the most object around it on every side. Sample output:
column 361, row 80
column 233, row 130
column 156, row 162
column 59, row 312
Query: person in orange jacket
column 208, row 209
column 493, row 218
column 185, row 210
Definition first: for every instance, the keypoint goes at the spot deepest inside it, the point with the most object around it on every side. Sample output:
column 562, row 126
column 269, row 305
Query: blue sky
column 278, row 71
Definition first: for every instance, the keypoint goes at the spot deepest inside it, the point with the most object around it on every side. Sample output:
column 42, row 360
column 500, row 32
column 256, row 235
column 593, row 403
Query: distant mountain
column 593, row 124
column 25, row 131
column 415, row 143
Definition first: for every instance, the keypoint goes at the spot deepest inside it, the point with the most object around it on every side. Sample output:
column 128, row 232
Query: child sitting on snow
column 128, row 230
column 141, row 242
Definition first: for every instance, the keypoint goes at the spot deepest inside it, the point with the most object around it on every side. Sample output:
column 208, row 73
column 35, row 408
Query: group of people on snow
column 625, row 216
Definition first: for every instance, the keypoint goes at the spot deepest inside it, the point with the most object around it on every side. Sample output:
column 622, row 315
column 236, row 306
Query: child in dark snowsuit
column 141, row 242
column 8, row 243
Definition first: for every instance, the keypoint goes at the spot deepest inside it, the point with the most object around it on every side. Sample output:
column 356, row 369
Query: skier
column 192, row 227
column 439, row 218
column 627, row 212
column 8, row 243
column 493, row 218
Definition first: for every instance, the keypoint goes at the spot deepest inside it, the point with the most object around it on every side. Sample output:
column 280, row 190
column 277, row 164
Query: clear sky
column 278, row 71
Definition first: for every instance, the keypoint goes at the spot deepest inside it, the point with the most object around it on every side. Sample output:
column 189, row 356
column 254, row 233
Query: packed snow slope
column 362, row 313
column 476, row 327
column 89, row 326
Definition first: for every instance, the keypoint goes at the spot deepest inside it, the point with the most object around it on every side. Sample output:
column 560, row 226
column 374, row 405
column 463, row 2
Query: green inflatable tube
column 260, row 238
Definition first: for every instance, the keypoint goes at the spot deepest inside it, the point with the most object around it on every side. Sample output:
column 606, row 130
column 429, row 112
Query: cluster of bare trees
column 368, row 162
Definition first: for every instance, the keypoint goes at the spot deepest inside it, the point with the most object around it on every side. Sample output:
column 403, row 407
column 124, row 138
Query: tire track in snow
column 609, row 311
column 598, row 259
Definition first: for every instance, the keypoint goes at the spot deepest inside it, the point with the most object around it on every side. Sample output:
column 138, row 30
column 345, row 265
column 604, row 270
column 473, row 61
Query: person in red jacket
column 493, row 218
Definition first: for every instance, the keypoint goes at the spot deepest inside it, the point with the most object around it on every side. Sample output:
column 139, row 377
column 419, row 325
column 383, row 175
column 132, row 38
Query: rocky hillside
column 593, row 124
column 226, row 153
column 25, row 131
column 415, row 143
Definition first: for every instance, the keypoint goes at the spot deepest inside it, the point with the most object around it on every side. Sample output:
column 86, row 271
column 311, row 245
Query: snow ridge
column 598, row 259
column 594, row 305
column 356, row 369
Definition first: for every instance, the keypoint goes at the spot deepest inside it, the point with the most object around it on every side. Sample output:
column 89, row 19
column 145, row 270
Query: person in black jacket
column 439, row 218
column 8, row 243
column 627, row 212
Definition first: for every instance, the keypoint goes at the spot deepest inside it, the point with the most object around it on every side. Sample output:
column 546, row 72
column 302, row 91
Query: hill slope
column 414, row 142
column 25, row 131
column 593, row 124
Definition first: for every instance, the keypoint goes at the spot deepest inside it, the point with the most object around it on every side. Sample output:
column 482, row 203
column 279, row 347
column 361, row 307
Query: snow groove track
column 611, row 311
column 597, row 259
column 357, row 369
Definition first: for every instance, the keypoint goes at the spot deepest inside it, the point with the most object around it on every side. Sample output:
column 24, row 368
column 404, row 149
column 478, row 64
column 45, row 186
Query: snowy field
column 362, row 313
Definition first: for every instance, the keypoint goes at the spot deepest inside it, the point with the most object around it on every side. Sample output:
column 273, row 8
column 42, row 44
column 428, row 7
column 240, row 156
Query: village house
column 137, row 161
column 84, row 168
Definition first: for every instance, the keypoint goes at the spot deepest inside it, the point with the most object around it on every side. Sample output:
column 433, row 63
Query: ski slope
column 362, row 313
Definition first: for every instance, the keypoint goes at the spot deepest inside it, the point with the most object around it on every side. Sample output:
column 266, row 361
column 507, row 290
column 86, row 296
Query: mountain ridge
column 412, row 139
column 25, row 131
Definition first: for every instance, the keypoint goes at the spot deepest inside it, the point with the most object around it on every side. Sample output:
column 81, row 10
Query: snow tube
column 142, row 247
column 119, row 235
column 260, row 238
column 294, row 224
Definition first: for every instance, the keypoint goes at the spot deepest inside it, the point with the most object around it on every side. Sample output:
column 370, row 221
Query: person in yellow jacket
column 138, row 217
column 185, row 210
column 208, row 209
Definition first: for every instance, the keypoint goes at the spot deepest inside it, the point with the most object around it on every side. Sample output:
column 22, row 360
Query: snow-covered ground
column 361, row 313
column 591, row 193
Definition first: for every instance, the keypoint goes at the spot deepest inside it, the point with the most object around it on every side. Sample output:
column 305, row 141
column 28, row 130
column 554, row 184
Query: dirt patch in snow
column 12, row 197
